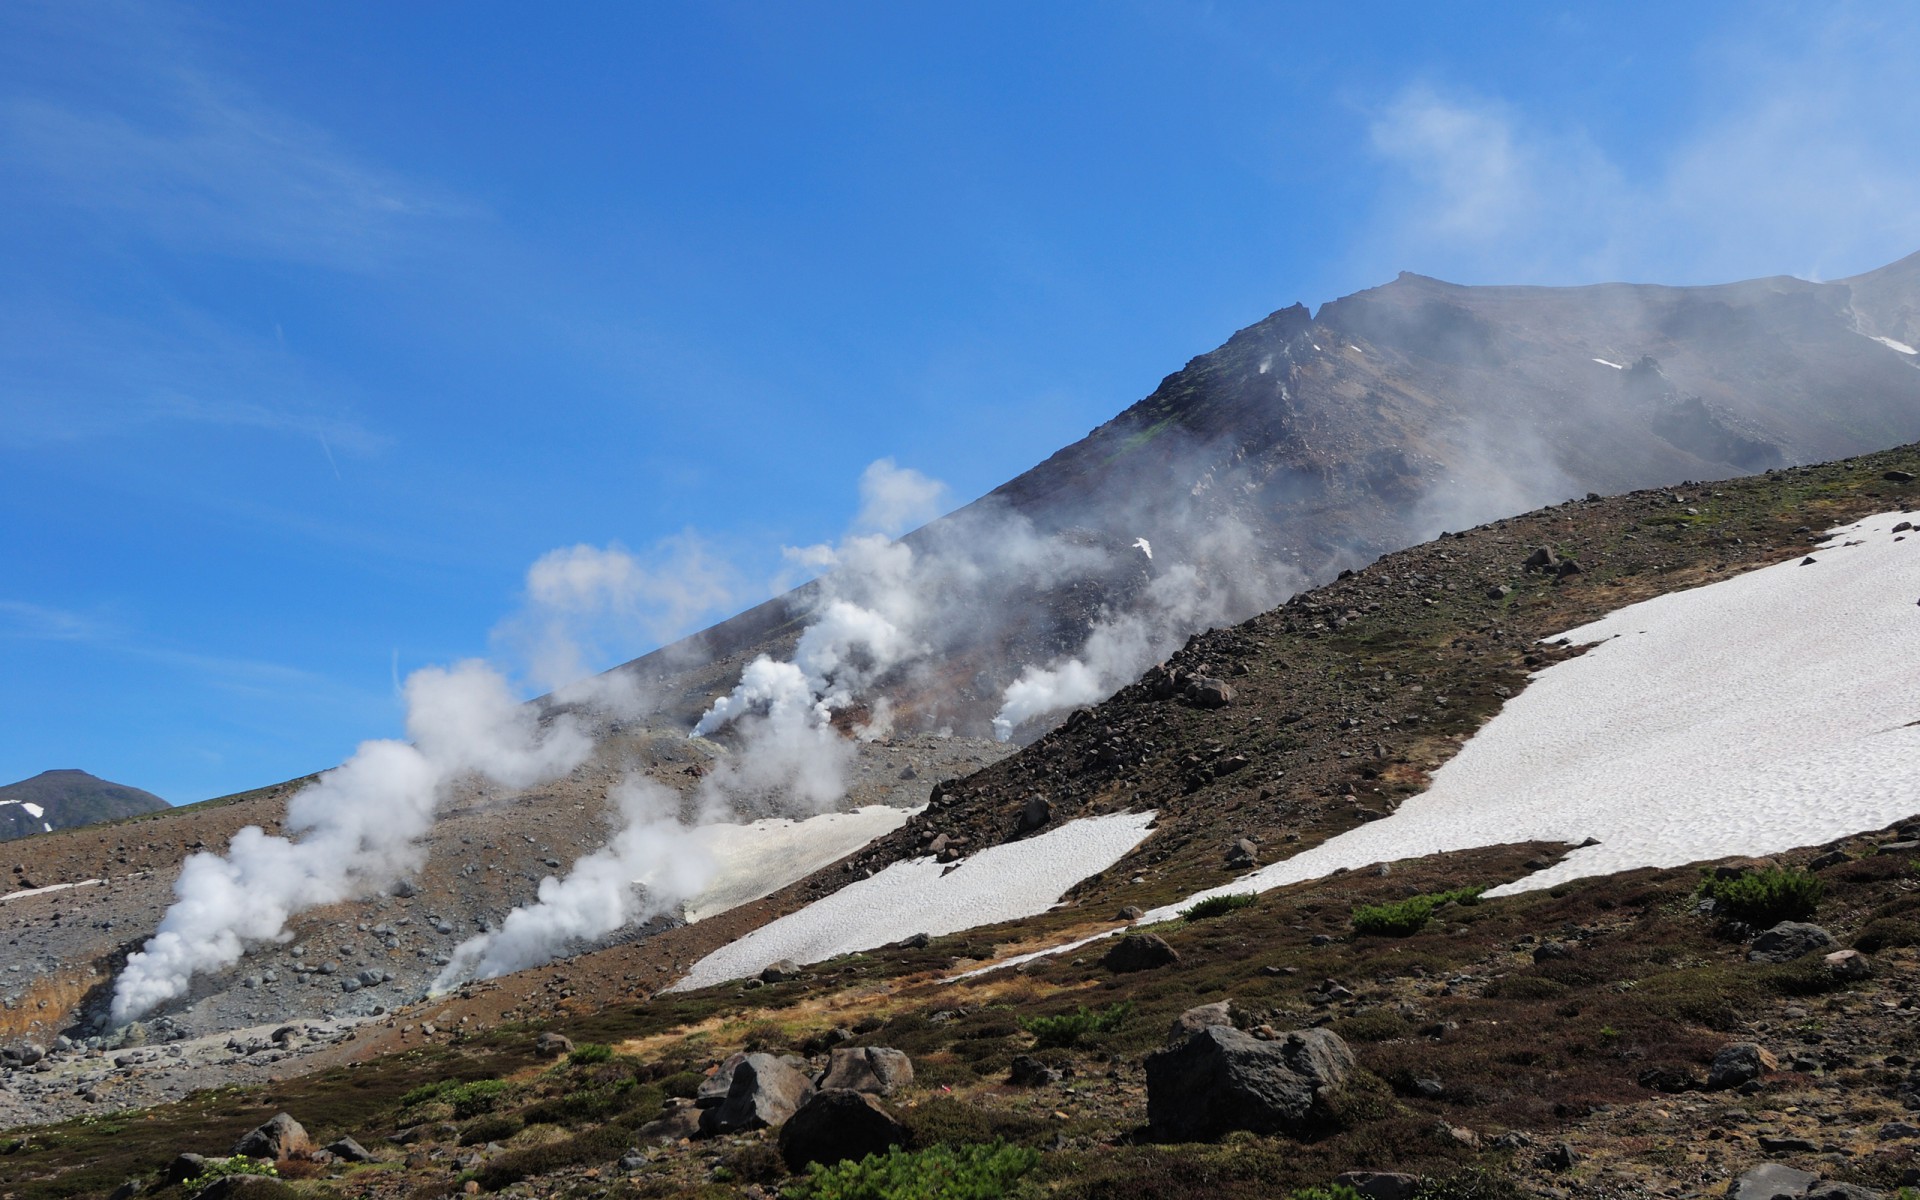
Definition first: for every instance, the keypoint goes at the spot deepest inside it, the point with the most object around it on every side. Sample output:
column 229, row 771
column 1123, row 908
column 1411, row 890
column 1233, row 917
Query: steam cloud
column 650, row 864
column 355, row 832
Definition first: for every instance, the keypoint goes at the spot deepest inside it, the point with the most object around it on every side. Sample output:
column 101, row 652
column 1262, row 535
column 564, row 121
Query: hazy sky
column 321, row 323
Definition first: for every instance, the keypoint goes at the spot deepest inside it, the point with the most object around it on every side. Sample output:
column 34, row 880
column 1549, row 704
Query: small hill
column 66, row 799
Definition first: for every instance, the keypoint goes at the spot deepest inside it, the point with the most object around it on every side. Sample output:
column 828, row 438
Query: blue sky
column 321, row 323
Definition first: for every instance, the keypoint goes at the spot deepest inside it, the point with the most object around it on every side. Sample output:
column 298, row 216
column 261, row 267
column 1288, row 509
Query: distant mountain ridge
column 66, row 799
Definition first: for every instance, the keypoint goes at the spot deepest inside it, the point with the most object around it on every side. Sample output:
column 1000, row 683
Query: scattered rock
column 281, row 1137
column 1551, row 950
column 1542, row 559
column 1206, row 692
column 1244, row 854
column 1830, row 1190
column 1132, row 912
column 552, row 1045
column 1898, row 476
column 1739, row 1063
column 837, row 1124
column 1559, row 1157
column 1499, row 592
column 1790, row 940
column 1672, row 1080
column 1200, row 1017
column 718, row 1084
column 1848, row 964
column 1771, row 1181
column 780, row 972
column 1220, row 1079
column 874, row 1069
column 1140, row 952
column 348, row 1150
column 1381, row 1185
column 1787, row 1145
column 680, row 1123
column 1037, row 812
column 765, row 1092
column 1028, row 1071
column 181, row 1169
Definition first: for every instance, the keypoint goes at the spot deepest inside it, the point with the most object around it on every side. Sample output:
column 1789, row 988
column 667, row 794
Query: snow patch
column 52, row 887
column 1143, row 546
column 1616, row 366
column 1000, row 883
column 761, row 858
column 1902, row 347
column 1776, row 709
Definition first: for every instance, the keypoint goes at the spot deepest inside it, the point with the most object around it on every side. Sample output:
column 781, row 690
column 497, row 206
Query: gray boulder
column 780, row 972
column 1205, row 692
column 1140, row 952
column 1739, row 1063
column 348, row 1150
column 281, row 1137
column 1382, row 1185
column 718, row 1084
column 1199, row 1017
column 683, row 1122
column 552, row 1045
column 837, row 1124
column 1848, row 964
column 1840, row 1191
column 1790, row 940
column 1771, row 1181
column 1037, row 812
column 1220, row 1079
column 1028, row 1071
column 182, row 1168
column 764, row 1093
column 875, row 1069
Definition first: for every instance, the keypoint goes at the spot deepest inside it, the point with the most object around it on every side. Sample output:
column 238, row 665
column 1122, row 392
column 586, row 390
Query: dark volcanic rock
column 1028, row 1071
column 1220, row 1079
column 836, row 1124
column 765, row 1091
column 1140, row 952
column 1382, row 1185
column 281, row 1137
column 1740, row 1063
column 1790, row 940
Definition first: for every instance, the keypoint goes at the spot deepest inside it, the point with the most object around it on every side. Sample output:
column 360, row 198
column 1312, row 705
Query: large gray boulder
column 837, row 1124
column 765, row 1092
column 874, row 1069
column 715, row 1087
column 1771, row 1181
column 1220, row 1079
column 1790, row 940
column 282, row 1137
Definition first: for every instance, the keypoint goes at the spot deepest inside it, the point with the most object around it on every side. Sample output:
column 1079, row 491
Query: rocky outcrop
column 1790, row 940
column 874, row 1069
column 1220, row 1079
column 281, row 1137
column 836, row 1124
column 1140, row 952
column 764, row 1092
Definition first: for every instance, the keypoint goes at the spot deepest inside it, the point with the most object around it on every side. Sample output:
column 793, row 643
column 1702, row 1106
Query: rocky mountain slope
column 1319, row 441
column 1610, row 1036
column 67, row 799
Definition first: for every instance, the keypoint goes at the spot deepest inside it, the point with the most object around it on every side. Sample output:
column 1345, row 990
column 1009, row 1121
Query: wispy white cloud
column 22, row 620
column 181, row 153
column 1799, row 158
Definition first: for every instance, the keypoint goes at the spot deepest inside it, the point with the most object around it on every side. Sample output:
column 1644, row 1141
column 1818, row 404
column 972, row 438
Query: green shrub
column 596, row 1145
column 491, row 1129
column 588, row 1053
column 473, row 1099
column 682, row 1084
column 1332, row 1191
column 937, row 1173
column 221, row 1168
column 426, row 1093
column 1067, row 1029
column 1402, row 918
column 1218, row 906
column 1763, row 898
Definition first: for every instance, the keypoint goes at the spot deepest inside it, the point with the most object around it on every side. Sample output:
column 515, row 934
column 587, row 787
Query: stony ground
column 1475, row 1057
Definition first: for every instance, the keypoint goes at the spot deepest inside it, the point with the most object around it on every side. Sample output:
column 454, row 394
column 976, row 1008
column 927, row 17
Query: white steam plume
column 355, row 831
column 1227, row 583
column 650, row 866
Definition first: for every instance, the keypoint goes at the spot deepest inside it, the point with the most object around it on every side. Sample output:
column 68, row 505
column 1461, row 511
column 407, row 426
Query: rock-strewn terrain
column 1609, row 1037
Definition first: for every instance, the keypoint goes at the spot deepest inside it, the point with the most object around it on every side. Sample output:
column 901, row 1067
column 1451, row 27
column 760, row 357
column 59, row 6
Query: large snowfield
column 1000, row 883
column 1776, row 709
column 759, row 859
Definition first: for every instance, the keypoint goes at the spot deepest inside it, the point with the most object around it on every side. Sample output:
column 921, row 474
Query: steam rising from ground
column 651, row 864
column 354, row 832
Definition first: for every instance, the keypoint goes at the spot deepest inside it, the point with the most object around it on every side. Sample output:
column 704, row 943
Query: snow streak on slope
column 1776, row 709
column 759, row 859
column 1000, row 883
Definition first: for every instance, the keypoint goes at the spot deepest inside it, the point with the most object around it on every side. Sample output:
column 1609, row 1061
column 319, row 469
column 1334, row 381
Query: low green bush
column 1403, row 918
column 588, row 1053
column 473, row 1099
column 221, row 1168
column 1332, row 1191
column 1068, row 1029
column 1763, row 898
column 938, row 1173
column 1218, row 906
